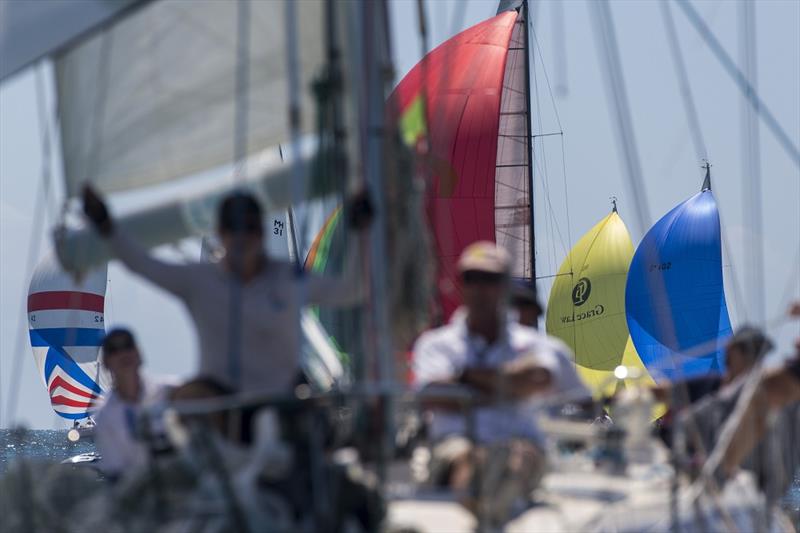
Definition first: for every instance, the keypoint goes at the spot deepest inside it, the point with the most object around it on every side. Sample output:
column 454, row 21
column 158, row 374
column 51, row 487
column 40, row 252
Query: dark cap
column 116, row 340
column 523, row 292
column 751, row 341
column 238, row 212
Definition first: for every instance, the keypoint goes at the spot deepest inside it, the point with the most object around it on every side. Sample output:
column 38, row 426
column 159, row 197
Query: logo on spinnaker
column 581, row 291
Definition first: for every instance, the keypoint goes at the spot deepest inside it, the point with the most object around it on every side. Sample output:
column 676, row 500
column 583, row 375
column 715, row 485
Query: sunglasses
column 118, row 344
column 478, row 277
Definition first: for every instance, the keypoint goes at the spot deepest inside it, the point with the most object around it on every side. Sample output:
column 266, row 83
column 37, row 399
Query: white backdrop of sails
column 154, row 97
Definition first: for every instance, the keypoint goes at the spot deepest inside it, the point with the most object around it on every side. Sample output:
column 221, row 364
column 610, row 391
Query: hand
column 360, row 211
column 96, row 211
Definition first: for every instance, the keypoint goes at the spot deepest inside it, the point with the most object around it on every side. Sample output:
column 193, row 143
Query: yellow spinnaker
column 587, row 305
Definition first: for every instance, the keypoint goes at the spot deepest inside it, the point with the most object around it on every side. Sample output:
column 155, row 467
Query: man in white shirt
column 246, row 308
column 507, row 366
column 119, row 432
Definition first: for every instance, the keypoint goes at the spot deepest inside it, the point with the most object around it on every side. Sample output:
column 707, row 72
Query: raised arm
column 170, row 277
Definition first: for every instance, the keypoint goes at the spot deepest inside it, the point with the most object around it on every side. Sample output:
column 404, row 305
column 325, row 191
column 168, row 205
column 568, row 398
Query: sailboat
column 66, row 324
column 674, row 297
column 586, row 308
column 465, row 103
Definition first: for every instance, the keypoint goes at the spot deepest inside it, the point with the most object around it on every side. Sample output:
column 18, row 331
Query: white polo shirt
column 116, row 429
column 441, row 354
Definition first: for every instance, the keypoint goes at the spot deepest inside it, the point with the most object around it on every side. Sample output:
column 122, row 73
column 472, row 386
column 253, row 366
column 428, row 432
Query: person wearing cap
column 505, row 366
column 120, row 436
column 775, row 459
column 526, row 303
column 245, row 308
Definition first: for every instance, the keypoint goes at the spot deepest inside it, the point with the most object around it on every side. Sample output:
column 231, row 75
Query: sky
column 572, row 186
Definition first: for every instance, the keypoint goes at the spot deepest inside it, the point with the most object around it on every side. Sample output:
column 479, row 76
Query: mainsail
column 674, row 298
column 66, row 323
column 466, row 102
column 154, row 97
column 586, row 308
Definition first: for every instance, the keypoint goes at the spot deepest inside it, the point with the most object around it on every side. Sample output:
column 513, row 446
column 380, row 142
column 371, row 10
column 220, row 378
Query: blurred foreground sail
column 586, row 308
column 164, row 93
column 154, row 97
column 674, row 298
column 66, row 325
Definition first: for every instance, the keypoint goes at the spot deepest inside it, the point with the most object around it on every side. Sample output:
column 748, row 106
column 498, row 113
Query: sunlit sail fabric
column 451, row 102
column 674, row 298
column 586, row 308
column 66, row 325
column 153, row 98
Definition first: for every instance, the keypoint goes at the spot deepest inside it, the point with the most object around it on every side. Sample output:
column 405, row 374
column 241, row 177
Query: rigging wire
column 751, row 163
column 240, row 131
column 741, row 81
column 553, row 222
column 560, row 49
column 695, row 130
column 34, row 243
column 616, row 94
column 683, row 83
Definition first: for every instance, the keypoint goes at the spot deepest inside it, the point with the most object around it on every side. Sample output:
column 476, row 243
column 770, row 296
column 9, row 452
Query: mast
column 529, row 139
column 707, row 181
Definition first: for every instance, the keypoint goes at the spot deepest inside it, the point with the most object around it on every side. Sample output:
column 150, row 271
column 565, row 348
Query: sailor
column 526, row 303
column 743, row 351
column 502, row 363
column 778, row 392
column 245, row 308
column 123, row 435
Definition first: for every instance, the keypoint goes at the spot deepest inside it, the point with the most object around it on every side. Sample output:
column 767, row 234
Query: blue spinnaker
column 674, row 296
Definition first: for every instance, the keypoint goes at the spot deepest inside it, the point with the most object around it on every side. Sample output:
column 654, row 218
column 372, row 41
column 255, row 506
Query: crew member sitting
column 506, row 365
column 120, row 436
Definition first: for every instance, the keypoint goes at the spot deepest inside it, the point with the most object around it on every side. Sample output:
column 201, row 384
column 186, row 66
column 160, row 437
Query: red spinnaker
column 455, row 93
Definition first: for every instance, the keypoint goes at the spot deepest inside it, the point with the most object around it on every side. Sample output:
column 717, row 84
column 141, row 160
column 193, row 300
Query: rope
column 34, row 244
column 618, row 100
column 751, row 163
column 683, row 83
column 240, row 125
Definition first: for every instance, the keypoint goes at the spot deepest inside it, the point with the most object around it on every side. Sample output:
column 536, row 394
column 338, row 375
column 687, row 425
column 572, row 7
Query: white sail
column 193, row 215
column 66, row 324
column 512, row 211
column 153, row 98
column 32, row 30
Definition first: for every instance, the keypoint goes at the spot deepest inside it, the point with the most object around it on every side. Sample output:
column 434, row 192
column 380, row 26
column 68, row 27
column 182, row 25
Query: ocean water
column 53, row 445
column 45, row 444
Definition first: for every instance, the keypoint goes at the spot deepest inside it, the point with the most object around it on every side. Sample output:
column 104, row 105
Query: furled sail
column 66, row 324
column 153, row 97
column 465, row 101
column 586, row 308
column 674, row 298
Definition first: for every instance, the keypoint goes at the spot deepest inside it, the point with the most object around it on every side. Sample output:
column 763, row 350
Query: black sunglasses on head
column 479, row 277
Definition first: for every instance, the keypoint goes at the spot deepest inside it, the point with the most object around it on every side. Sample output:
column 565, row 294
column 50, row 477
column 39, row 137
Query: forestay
column 154, row 97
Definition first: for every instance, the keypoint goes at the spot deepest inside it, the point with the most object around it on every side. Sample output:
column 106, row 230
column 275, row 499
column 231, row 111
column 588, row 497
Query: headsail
column 153, row 97
column 674, row 298
column 466, row 100
column 66, row 324
column 586, row 308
